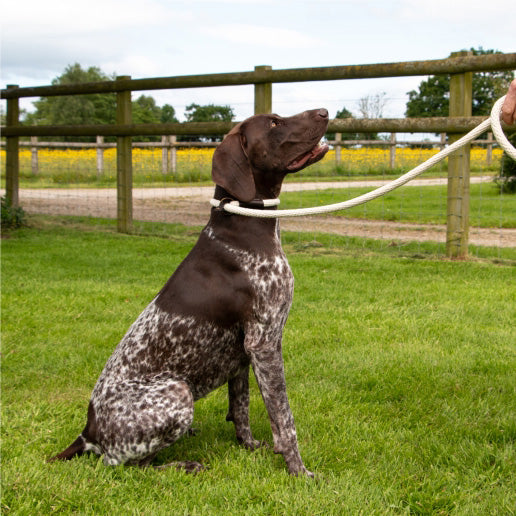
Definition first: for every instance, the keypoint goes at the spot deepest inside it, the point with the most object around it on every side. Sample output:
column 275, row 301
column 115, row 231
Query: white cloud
column 459, row 11
column 55, row 17
column 154, row 38
column 50, row 35
column 262, row 36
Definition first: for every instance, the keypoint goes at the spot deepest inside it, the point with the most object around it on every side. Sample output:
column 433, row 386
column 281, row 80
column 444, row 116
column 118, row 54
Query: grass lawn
column 400, row 372
column 420, row 205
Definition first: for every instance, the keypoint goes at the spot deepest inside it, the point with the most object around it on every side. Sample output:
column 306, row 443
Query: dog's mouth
column 312, row 156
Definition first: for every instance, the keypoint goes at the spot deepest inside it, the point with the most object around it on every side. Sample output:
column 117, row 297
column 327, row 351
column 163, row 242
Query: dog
column 222, row 311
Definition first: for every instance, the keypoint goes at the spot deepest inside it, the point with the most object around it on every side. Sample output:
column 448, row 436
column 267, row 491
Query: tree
column 432, row 99
column 145, row 111
column 344, row 113
column 168, row 115
column 76, row 109
column 209, row 113
column 372, row 106
column 433, row 96
column 94, row 108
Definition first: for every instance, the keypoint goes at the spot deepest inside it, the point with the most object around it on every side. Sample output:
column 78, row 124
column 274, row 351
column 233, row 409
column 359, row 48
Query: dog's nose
column 323, row 113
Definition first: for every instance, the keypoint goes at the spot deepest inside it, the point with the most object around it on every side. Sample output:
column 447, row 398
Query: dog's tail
column 86, row 442
column 77, row 448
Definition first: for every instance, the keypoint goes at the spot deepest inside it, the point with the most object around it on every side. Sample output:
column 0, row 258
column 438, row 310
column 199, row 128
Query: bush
column 12, row 217
column 506, row 181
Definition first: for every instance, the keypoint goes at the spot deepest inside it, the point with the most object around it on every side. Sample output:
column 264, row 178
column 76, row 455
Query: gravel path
column 189, row 205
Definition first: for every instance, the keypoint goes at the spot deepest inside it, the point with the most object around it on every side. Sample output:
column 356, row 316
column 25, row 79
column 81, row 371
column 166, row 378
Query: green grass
column 71, row 178
column 195, row 177
column 400, row 371
column 425, row 204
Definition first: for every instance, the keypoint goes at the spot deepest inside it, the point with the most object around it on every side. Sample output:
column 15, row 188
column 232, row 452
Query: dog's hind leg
column 137, row 418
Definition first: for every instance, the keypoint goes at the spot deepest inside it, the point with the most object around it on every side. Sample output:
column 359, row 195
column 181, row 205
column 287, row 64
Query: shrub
column 506, row 181
column 12, row 217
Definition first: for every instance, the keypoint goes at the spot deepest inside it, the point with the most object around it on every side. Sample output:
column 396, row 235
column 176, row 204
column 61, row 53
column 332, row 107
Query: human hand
column 509, row 105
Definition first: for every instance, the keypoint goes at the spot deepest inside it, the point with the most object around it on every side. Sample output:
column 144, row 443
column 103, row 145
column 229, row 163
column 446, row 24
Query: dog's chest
column 267, row 271
column 273, row 285
column 195, row 349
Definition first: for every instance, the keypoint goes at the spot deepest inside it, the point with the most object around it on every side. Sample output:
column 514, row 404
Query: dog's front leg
column 267, row 362
column 238, row 391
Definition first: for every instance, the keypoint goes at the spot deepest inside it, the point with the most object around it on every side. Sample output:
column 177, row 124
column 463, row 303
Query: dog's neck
column 257, row 233
column 259, row 202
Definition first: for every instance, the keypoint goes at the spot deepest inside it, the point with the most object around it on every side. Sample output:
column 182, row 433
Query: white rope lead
column 493, row 121
column 496, row 126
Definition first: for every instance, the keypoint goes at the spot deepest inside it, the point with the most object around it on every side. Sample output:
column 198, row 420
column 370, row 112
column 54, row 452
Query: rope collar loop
column 255, row 204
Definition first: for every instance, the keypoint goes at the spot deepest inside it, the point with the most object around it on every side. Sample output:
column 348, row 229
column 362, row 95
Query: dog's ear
column 231, row 168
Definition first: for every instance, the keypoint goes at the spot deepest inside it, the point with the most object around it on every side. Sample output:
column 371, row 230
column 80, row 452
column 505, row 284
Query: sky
column 159, row 38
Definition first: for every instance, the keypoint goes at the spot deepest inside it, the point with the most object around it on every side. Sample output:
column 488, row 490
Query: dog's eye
column 274, row 123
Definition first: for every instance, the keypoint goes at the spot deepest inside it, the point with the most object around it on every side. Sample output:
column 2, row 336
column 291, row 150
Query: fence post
column 392, row 151
column 164, row 154
column 100, row 155
column 34, row 155
column 442, row 143
column 262, row 94
column 173, row 154
column 338, row 155
column 124, row 163
column 12, row 146
column 489, row 149
column 457, row 230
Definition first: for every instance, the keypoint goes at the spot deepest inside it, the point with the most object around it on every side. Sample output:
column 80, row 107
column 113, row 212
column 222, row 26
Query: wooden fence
column 460, row 65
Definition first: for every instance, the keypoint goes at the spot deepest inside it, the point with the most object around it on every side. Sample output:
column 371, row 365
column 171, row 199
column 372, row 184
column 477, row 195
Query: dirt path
column 189, row 205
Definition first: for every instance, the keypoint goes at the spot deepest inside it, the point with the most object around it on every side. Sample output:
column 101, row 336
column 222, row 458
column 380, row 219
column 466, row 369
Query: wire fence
column 68, row 181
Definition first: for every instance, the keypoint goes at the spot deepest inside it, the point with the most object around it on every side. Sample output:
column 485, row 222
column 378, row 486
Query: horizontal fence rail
column 340, row 125
column 102, row 145
column 452, row 65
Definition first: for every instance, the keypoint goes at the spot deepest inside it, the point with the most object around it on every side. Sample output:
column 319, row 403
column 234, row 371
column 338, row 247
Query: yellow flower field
column 62, row 166
column 406, row 158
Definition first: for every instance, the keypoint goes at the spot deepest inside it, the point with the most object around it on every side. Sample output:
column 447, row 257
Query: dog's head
column 256, row 154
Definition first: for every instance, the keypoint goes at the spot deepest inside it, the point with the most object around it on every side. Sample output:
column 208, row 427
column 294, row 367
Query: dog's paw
column 304, row 473
column 250, row 443
column 254, row 444
column 300, row 471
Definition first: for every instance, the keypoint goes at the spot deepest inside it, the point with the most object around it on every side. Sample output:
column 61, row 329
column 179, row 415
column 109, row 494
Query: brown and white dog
column 223, row 309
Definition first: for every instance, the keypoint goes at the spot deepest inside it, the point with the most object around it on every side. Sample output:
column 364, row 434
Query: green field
column 416, row 204
column 400, row 373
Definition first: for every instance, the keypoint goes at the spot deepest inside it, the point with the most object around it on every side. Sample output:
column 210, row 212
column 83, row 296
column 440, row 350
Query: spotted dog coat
column 222, row 310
